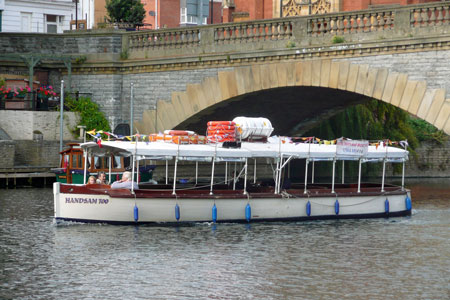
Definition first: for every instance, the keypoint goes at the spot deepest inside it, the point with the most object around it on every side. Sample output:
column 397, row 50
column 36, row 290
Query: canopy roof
column 274, row 149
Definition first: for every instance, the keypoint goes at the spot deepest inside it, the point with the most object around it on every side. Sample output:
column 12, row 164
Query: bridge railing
column 353, row 26
column 264, row 30
column 171, row 38
column 388, row 23
column 430, row 15
column 351, row 23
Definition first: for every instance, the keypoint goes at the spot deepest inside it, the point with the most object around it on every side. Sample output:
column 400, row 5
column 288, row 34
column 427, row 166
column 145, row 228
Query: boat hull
column 104, row 205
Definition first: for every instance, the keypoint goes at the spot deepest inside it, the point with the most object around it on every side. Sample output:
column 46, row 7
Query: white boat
column 229, row 201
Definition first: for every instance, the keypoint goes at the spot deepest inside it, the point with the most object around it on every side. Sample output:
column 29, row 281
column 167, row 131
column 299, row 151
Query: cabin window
column 78, row 161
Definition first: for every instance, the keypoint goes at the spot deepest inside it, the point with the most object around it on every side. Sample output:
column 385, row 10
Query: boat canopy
column 275, row 148
column 167, row 151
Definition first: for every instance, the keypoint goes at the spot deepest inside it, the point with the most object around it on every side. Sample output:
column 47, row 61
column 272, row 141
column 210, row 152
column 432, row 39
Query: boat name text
column 86, row 200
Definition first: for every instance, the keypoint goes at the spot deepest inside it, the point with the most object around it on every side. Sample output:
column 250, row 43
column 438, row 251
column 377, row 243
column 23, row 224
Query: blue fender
column 248, row 212
column 336, row 207
column 308, row 208
column 214, row 213
column 408, row 203
column 136, row 213
column 386, row 206
column 177, row 212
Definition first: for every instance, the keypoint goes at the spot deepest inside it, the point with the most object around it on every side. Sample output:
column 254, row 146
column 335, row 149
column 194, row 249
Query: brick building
column 177, row 13
column 242, row 10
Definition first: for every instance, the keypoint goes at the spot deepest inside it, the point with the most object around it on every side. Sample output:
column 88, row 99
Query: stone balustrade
column 351, row 23
column 353, row 26
column 436, row 15
column 173, row 38
column 253, row 32
column 372, row 25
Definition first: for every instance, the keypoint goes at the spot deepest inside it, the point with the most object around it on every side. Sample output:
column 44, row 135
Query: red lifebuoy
column 179, row 132
column 215, row 123
column 222, row 127
column 221, row 132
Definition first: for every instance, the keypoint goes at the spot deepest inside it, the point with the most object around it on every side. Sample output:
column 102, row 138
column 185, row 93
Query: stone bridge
column 294, row 71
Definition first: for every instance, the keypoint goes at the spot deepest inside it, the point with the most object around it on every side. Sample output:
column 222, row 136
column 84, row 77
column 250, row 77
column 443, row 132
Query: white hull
column 98, row 207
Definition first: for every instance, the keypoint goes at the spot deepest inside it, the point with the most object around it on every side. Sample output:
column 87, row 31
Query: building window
column 25, row 22
column 205, row 20
column 183, row 15
column 52, row 23
column 192, row 19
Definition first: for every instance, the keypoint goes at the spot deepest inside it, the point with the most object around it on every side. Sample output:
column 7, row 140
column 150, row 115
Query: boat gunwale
column 266, row 193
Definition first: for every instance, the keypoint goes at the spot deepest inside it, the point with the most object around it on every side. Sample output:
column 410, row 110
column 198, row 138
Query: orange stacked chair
column 221, row 131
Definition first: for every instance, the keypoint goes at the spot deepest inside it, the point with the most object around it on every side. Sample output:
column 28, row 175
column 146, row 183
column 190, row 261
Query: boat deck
column 226, row 191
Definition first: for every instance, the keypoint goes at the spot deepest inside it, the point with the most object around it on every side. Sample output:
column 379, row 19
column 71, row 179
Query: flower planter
column 16, row 104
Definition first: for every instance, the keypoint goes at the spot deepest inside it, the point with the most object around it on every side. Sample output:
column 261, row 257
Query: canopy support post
column 196, row 172
column 245, row 177
column 174, row 176
column 167, row 171
column 132, row 173
column 306, row 175
column 254, row 172
column 334, row 169
column 85, row 165
column 137, row 171
column 110, row 163
column 359, row 177
column 212, row 176
column 234, row 177
column 312, row 170
column 280, row 168
column 226, row 172
column 403, row 175
column 382, row 178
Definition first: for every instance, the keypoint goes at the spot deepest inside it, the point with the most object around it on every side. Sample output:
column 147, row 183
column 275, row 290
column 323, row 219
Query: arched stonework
column 378, row 83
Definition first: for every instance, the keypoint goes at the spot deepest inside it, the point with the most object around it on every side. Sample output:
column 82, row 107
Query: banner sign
column 352, row 147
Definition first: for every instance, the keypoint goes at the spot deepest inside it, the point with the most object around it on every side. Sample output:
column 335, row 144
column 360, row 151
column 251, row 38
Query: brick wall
column 348, row 5
column 36, row 153
column 169, row 14
column 7, row 153
column 112, row 92
column 20, row 125
column 433, row 159
column 12, row 43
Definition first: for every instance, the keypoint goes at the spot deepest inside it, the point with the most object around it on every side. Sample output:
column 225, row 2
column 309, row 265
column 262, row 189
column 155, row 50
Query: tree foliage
column 91, row 116
column 125, row 11
column 374, row 120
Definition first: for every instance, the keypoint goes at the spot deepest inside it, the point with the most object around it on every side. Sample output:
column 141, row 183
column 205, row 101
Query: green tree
column 125, row 11
column 91, row 116
column 373, row 120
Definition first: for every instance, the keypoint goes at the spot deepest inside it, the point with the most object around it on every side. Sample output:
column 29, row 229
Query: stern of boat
column 56, row 196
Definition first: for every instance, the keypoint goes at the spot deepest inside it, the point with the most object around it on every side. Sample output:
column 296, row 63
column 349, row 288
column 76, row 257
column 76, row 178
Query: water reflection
column 397, row 258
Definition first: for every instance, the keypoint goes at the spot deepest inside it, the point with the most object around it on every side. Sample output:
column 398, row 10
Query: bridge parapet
column 250, row 38
column 355, row 26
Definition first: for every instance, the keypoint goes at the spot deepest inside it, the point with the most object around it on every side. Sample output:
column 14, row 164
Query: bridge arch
column 335, row 76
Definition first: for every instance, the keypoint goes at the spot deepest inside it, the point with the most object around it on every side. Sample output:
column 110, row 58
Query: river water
column 397, row 258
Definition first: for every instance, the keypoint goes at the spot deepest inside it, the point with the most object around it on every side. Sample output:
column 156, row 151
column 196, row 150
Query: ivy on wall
column 374, row 120
column 90, row 115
